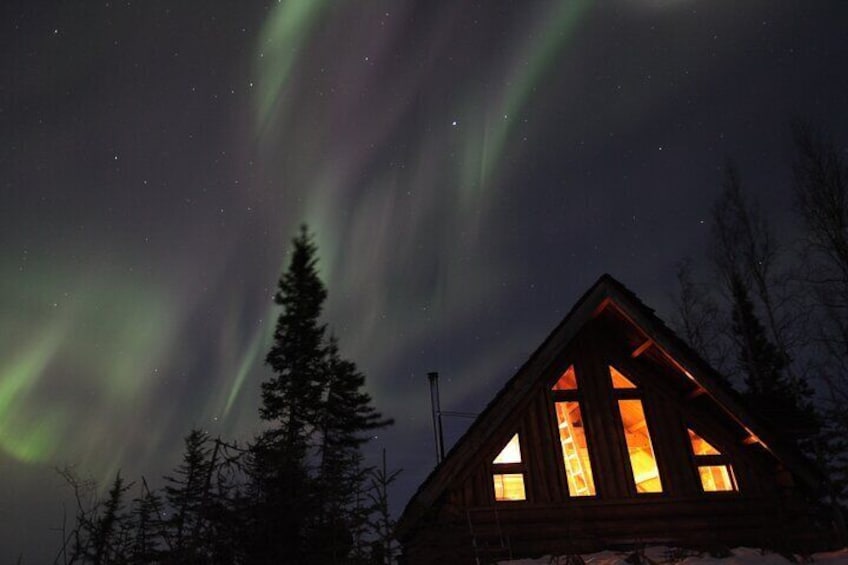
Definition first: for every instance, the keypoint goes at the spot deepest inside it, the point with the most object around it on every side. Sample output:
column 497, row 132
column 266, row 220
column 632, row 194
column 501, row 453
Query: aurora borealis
column 468, row 169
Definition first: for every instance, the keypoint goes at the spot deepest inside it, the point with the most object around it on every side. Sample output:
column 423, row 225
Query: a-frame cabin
column 613, row 433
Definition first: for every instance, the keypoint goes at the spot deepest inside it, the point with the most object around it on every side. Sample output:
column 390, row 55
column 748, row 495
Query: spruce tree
column 185, row 493
column 306, row 467
column 147, row 519
column 105, row 536
column 291, row 404
column 291, row 399
column 348, row 420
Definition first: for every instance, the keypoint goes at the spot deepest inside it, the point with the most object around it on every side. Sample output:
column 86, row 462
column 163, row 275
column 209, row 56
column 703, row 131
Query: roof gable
column 653, row 338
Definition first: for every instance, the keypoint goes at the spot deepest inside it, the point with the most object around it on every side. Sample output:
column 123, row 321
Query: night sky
column 468, row 168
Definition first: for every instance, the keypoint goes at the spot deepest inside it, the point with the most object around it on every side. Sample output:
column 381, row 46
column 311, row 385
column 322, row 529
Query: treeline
column 773, row 315
column 300, row 492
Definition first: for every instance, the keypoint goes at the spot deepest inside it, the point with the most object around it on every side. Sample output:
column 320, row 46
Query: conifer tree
column 185, row 492
column 291, row 403
column 102, row 534
column 347, row 420
column 292, row 397
column 147, row 520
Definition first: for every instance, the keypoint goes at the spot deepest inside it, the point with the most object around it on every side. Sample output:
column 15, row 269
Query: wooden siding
column 466, row 523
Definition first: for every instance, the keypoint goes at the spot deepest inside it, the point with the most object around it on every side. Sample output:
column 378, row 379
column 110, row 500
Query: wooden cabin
column 614, row 433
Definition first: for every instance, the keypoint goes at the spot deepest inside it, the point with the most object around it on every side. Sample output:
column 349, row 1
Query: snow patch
column 661, row 555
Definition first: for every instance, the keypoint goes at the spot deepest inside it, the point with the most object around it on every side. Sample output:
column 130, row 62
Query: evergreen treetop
column 292, row 396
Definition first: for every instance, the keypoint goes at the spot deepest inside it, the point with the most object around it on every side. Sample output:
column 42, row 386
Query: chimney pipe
column 438, row 436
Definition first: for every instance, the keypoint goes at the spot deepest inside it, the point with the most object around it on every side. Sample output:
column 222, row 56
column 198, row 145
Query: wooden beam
column 696, row 393
column 602, row 306
column 642, row 348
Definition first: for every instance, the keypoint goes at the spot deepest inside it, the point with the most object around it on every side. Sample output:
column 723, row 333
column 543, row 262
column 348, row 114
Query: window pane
column 700, row 446
column 619, row 380
column 715, row 478
column 511, row 453
column 568, row 380
column 509, row 487
column 642, row 460
column 575, row 451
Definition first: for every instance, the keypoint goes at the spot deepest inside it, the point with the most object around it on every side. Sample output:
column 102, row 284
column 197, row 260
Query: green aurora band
column 91, row 355
column 448, row 176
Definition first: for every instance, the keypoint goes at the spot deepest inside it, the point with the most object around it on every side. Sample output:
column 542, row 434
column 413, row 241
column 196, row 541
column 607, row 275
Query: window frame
column 721, row 459
column 518, row 468
column 572, row 395
column 637, row 393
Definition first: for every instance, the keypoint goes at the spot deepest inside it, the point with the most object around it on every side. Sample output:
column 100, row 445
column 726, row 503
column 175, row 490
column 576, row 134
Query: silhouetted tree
column 348, row 419
column 291, row 404
column 147, row 511
column 185, row 492
column 783, row 402
column 102, row 534
column 743, row 247
column 821, row 195
column 223, row 506
column 296, row 495
column 383, row 547
column 697, row 318
column 205, row 501
column 820, row 175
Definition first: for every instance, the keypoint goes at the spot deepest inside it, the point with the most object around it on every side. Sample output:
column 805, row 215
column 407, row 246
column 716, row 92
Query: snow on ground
column 667, row 555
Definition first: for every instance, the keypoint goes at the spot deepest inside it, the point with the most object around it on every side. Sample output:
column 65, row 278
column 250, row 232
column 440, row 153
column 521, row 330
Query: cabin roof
column 606, row 295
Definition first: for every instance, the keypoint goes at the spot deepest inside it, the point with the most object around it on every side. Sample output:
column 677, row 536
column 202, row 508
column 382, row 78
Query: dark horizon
column 469, row 170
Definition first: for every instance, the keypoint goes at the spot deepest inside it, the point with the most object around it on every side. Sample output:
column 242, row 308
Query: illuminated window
column 643, row 463
column 511, row 453
column 637, row 436
column 717, row 478
column 509, row 486
column 507, row 477
column 700, row 446
column 715, row 473
column 619, row 381
column 575, row 450
column 567, row 381
column 572, row 436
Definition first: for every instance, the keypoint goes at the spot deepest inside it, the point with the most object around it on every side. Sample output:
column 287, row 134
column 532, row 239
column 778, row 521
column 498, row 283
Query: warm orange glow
column 700, row 446
column 642, row 460
column 575, row 451
column 642, row 348
column 568, row 380
column 717, row 478
column 509, row 487
column 511, row 453
column 752, row 439
column 696, row 393
column 619, row 380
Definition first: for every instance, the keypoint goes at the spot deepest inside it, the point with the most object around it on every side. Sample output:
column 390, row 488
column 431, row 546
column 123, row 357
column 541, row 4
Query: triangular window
column 567, row 381
column 508, row 472
column 700, row 446
column 715, row 473
column 619, row 381
column 511, row 453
